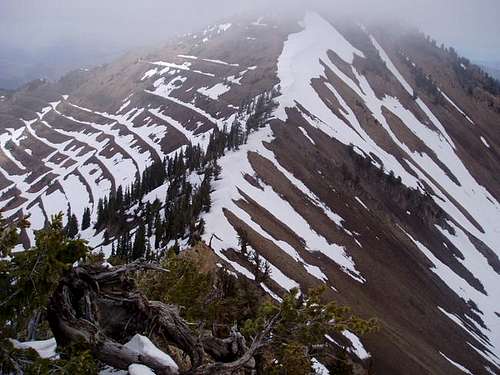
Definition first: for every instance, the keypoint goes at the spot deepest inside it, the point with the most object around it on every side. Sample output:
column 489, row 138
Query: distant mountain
column 18, row 66
column 362, row 158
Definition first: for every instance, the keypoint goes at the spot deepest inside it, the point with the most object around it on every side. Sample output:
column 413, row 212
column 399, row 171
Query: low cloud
column 32, row 26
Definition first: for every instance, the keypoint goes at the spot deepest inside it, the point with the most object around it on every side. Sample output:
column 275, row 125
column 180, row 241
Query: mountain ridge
column 373, row 175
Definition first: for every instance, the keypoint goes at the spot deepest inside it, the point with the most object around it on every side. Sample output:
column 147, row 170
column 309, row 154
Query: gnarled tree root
column 102, row 308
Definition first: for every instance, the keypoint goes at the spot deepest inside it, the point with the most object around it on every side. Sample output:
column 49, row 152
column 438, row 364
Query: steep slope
column 319, row 212
column 95, row 130
column 377, row 175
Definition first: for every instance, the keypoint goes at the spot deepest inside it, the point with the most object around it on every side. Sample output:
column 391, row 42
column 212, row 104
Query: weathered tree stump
column 102, row 308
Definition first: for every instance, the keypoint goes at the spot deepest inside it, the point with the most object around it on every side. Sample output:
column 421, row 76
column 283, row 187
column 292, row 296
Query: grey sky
column 471, row 26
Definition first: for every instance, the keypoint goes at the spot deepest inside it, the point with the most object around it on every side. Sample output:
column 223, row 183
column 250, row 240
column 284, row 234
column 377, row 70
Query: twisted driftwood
column 102, row 308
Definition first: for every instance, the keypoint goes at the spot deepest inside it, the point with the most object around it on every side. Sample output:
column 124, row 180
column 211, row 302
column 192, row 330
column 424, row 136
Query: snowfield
column 305, row 57
column 69, row 154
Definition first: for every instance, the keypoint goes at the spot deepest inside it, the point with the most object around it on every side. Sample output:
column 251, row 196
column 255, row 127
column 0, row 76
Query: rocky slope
column 377, row 174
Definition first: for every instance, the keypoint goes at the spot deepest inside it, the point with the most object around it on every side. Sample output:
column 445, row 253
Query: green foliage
column 261, row 110
column 94, row 258
column 14, row 360
column 72, row 226
column 214, row 298
column 472, row 76
column 27, row 280
column 236, row 300
column 303, row 324
column 261, row 268
column 242, row 239
column 183, row 285
column 30, row 277
column 86, row 219
column 9, row 235
column 139, row 248
column 184, row 202
column 341, row 365
column 293, row 359
column 74, row 360
column 218, row 299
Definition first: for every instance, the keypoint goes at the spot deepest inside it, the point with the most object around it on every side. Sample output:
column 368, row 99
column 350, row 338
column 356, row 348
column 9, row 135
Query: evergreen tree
column 204, row 193
column 305, row 320
column 149, row 253
column 261, row 267
column 28, row 279
column 72, row 226
column 201, row 227
column 100, row 214
column 158, row 231
column 86, row 218
column 105, row 236
column 184, row 202
column 216, row 171
column 119, row 198
column 139, row 248
column 242, row 239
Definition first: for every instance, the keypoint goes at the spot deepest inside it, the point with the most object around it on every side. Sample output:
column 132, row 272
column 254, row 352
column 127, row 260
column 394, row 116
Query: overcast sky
column 471, row 26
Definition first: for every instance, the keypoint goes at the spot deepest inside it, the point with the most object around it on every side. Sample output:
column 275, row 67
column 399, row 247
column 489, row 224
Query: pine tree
column 100, row 214
column 204, row 192
column 139, row 247
column 261, row 267
column 119, row 197
column 86, row 218
column 149, row 253
column 305, row 320
column 242, row 239
column 30, row 277
column 158, row 231
column 217, row 169
column 72, row 226
column 201, row 227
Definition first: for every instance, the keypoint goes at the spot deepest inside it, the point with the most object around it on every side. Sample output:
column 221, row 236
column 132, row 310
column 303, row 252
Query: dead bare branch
column 102, row 307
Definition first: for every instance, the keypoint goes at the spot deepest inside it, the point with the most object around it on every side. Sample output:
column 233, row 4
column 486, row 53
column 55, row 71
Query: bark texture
column 102, row 308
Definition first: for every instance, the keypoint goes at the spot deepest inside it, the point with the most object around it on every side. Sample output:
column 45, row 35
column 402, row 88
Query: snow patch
column 357, row 346
column 319, row 368
column 259, row 22
column 44, row 348
column 456, row 106
column 457, row 365
column 485, row 142
column 124, row 105
column 220, row 62
column 144, row 346
column 226, row 193
column 215, row 91
column 188, row 57
column 361, row 203
column 306, row 135
column 136, row 369
column 149, row 73
column 223, row 27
